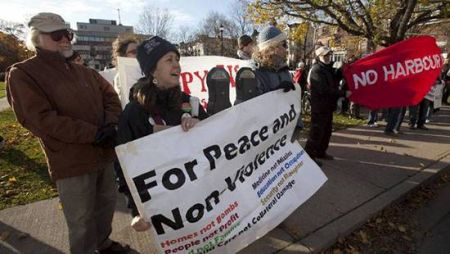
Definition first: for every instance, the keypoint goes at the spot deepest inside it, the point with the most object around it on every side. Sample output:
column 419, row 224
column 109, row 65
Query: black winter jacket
column 324, row 88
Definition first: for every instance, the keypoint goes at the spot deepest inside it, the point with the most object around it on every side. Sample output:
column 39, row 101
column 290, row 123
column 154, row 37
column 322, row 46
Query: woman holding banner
column 270, row 68
column 156, row 103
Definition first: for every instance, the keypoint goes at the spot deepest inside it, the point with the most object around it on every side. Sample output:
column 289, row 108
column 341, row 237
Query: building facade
column 94, row 41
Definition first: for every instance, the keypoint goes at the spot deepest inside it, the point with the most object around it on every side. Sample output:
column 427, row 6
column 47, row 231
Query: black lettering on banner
column 232, row 184
column 263, row 133
column 292, row 113
column 159, row 219
column 193, row 214
column 190, row 213
column 214, row 195
column 189, row 166
column 208, row 153
column 175, row 177
column 230, row 151
column 253, row 135
column 180, row 179
column 244, row 144
column 142, row 187
column 284, row 120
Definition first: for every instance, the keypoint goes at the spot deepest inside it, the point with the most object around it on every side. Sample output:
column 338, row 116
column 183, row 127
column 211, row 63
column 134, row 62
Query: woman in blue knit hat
column 156, row 103
column 270, row 67
column 270, row 60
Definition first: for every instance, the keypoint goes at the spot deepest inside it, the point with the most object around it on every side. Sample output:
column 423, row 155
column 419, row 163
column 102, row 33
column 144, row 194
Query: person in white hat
column 74, row 113
column 324, row 95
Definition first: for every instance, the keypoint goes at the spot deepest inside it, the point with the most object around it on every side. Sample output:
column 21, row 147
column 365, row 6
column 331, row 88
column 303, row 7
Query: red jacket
column 297, row 76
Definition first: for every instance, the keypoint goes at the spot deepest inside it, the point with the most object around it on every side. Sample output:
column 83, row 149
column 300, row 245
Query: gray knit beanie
column 270, row 36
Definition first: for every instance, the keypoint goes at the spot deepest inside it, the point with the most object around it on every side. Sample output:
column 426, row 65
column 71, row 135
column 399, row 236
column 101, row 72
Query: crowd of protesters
column 78, row 118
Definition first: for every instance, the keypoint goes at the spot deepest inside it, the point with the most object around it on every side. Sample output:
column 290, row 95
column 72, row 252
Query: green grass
column 23, row 171
column 2, row 89
column 339, row 122
column 343, row 122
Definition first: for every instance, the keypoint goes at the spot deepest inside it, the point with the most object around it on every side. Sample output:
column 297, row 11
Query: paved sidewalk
column 371, row 170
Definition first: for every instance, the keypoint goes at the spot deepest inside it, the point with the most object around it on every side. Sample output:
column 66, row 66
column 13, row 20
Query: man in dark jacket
column 324, row 95
column 74, row 113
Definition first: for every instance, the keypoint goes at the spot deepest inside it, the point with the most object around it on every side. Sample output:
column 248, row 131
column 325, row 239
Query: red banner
column 400, row 75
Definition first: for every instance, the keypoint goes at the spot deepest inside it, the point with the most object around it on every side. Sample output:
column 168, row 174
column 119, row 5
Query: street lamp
column 221, row 39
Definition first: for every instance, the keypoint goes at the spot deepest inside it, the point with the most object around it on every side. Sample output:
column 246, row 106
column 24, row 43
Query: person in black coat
column 324, row 95
column 156, row 103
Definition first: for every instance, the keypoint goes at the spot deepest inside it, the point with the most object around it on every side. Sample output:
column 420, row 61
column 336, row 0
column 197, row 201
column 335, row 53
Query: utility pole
column 221, row 28
column 118, row 13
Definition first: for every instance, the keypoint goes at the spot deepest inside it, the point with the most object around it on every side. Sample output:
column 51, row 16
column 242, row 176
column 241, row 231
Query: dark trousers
column 418, row 113
column 373, row 116
column 319, row 135
column 395, row 119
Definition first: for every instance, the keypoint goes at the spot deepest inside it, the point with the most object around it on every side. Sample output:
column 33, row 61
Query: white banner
column 194, row 70
column 226, row 182
column 438, row 93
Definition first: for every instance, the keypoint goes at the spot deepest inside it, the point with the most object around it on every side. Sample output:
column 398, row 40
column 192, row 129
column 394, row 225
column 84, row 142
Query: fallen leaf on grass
column 363, row 237
column 337, row 251
column 12, row 180
column 9, row 193
column 352, row 250
column 402, row 228
column 406, row 238
column 392, row 225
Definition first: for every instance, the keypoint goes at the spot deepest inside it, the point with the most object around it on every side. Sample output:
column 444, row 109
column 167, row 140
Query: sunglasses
column 284, row 44
column 58, row 35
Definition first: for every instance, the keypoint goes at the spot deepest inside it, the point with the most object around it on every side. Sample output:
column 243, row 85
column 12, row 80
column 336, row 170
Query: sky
column 185, row 12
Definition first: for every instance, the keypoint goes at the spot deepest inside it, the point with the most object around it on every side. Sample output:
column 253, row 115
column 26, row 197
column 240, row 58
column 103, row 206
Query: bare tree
column 211, row 26
column 154, row 21
column 13, row 28
column 239, row 15
column 184, row 34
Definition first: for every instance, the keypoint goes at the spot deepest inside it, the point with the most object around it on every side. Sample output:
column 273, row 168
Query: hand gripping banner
column 400, row 75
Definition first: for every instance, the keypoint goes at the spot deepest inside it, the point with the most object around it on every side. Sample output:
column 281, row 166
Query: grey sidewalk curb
column 327, row 235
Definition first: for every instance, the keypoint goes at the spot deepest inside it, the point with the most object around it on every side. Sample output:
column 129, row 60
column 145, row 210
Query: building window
column 106, row 28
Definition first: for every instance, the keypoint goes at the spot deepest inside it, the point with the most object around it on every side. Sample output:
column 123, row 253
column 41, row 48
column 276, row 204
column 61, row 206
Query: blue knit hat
column 150, row 51
column 270, row 36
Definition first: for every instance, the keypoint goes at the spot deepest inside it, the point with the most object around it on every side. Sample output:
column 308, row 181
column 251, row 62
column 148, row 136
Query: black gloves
column 106, row 136
column 286, row 86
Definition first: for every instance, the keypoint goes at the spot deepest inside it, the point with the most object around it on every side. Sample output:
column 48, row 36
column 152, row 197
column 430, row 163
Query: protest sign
column 227, row 181
column 194, row 70
column 435, row 94
column 400, row 75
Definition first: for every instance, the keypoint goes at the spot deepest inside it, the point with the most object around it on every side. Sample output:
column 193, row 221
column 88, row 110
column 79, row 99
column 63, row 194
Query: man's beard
column 67, row 52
